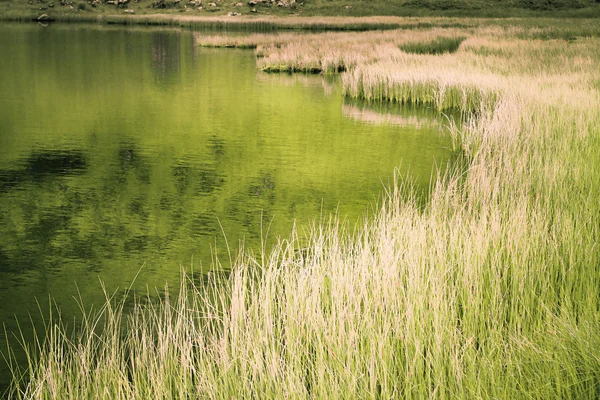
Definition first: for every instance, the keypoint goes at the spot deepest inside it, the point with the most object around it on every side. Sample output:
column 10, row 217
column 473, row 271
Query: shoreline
column 295, row 22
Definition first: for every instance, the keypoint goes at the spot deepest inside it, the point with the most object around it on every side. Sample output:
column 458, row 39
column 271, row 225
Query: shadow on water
column 48, row 169
column 44, row 165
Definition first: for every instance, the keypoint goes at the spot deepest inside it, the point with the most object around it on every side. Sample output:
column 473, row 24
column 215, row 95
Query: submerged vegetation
column 489, row 290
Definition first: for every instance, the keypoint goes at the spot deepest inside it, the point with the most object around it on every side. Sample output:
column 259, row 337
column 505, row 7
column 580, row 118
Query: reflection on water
column 121, row 148
column 395, row 114
column 365, row 114
column 166, row 57
column 329, row 83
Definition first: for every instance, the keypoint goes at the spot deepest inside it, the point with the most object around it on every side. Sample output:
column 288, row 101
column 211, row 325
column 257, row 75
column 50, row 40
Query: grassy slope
column 90, row 10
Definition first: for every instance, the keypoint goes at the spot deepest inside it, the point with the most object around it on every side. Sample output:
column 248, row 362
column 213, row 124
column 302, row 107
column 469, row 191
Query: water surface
column 121, row 148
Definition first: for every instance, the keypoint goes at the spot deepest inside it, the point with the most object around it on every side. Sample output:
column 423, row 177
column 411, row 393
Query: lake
column 126, row 151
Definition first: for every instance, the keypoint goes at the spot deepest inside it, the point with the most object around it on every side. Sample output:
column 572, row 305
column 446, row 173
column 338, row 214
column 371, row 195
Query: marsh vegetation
column 490, row 289
column 439, row 45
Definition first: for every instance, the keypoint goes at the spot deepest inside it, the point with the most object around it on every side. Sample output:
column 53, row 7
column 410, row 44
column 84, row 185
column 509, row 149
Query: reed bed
column 491, row 289
column 449, row 90
column 438, row 45
column 330, row 52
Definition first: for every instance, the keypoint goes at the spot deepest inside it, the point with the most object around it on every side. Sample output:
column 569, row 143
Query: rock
column 253, row 10
column 129, row 11
column 348, row 7
column 44, row 18
column 252, row 3
column 238, row 4
column 212, row 4
column 233, row 14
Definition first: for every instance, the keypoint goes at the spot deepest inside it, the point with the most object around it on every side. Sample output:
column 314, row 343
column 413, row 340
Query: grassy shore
column 267, row 14
column 489, row 290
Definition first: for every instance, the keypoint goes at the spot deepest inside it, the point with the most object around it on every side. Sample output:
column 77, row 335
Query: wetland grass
column 491, row 289
column 438, row 45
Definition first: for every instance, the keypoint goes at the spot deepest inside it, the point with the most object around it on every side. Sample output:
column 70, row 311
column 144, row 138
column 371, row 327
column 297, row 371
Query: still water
column 121, row 148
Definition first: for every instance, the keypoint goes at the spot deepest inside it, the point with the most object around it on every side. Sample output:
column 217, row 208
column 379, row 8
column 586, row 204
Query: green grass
column 438, row 45
column 463, row 8
column 463, row 98
column 90, row 10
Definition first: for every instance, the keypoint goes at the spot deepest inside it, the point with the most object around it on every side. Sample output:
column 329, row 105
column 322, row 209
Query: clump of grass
column 466, row 94
column 439, row 45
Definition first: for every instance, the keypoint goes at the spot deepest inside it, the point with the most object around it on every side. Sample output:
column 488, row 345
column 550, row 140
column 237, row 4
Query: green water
column 121, row 148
